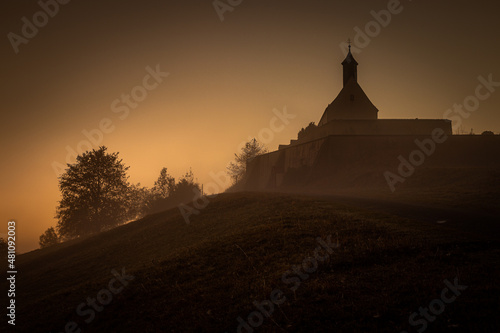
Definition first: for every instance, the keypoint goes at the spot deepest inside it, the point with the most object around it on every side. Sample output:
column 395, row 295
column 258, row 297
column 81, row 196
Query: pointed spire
column 350, row 66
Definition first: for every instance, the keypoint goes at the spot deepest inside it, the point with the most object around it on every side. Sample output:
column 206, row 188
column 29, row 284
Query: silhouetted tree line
column 97, row 196
column 49, row 238
column 166, row 193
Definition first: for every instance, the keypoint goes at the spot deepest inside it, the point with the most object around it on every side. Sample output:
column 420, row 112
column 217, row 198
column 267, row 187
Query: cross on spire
column 349, row 42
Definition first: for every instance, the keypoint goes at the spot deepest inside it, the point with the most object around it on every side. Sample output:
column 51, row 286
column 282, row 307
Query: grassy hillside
column 243, row 248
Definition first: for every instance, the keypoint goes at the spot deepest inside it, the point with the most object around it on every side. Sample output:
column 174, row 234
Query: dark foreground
column 268, row 263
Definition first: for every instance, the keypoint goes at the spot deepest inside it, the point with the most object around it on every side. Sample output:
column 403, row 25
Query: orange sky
column 225, row 79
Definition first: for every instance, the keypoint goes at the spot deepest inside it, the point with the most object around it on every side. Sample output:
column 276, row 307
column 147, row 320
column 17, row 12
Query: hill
column 372, row 271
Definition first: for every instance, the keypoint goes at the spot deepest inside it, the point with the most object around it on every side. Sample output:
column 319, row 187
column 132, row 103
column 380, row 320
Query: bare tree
column 164, row 185
column 237, row 169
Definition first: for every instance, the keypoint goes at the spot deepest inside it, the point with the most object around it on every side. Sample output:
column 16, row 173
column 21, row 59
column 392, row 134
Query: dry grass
column 201, row 277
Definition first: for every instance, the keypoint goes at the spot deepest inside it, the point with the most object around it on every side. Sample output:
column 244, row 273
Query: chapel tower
column 350, row 66
column 352, row 102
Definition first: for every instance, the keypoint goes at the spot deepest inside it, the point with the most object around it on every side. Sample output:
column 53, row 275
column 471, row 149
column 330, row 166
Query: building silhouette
column 351, row 146
column 352, row 113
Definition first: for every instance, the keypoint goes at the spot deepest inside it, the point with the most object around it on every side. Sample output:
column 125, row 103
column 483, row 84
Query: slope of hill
column 371, row 272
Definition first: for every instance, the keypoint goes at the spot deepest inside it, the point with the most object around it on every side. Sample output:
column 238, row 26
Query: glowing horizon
column 225, row 80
